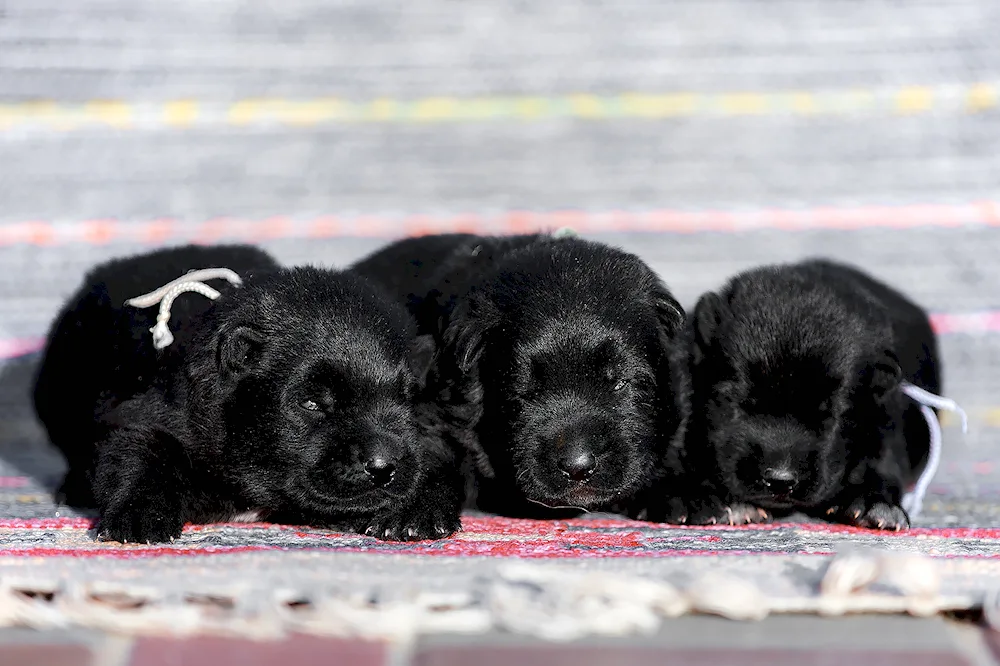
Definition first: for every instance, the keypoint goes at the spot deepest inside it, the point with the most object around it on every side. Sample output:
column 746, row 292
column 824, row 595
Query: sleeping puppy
column 797, row 405
column 553, row 375
column 290, row 397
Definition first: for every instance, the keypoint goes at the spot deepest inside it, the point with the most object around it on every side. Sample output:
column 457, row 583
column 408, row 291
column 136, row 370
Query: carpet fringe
column 556, row 603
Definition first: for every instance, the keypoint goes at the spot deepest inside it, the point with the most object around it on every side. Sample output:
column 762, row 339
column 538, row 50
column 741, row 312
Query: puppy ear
column 707, row 318
column 465, row 334
column 239, row 351
column 668, row 311
column 421, row 357
column 883, row 374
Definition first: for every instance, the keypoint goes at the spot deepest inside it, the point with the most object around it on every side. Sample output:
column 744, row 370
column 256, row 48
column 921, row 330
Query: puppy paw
column 413, row 524
column 712, row 511
column 745, row 514
column 736, row 513
column 874, row 515
column 150, row 521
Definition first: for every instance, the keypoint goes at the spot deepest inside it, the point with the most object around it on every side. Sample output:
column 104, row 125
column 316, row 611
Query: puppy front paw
column 711, row 510
column 739, row 513
column 414, row 523
column 718, row 513
column 876, row 515
column 140, row 520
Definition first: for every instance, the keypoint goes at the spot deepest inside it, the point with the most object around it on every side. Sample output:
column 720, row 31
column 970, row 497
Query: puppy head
column 782, row 374
column 565, row 345
column 316, row 374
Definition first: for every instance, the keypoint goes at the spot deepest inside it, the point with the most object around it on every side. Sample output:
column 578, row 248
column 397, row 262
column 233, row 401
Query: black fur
column 553, row 376
column 795, row 374
column 289, row 396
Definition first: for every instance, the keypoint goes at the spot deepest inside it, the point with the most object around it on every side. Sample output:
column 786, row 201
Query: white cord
column 565, row 232
column 913, row 501
column 165, row 296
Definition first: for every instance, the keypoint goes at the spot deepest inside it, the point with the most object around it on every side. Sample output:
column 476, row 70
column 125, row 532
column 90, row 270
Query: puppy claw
column 880, row 523
column 410, row 531
column 683, row 520
column 832, row 510
column 712, row 520
column 440, row 529
column 857, row 514
column 762, row 513
column 371, row 530
column 729, row 512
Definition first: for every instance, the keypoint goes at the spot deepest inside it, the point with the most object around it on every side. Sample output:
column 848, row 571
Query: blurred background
column 705, row 135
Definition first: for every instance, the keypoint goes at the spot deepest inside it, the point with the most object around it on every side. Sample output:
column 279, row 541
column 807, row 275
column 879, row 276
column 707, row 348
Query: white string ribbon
column 913, row 501
column 565, row 232
column 165, row 296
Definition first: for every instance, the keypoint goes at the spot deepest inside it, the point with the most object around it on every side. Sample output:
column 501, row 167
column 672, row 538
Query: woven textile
column 705, row 136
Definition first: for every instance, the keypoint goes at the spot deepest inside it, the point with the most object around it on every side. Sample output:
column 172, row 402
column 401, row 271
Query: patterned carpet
column 705, row 136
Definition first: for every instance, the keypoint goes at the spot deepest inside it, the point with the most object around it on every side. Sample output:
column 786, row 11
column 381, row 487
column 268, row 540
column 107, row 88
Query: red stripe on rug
column 140, row 552
column 514, row 527
column 133, row 552
column 158, row 231
column 46, row 523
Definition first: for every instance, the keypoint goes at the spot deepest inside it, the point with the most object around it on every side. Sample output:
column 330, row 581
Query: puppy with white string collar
column 813, row 389
column 251, row 392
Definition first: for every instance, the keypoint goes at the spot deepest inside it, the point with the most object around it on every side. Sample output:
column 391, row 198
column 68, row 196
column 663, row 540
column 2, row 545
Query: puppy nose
column 380, row 470
column 578, row 465
column 780, row 481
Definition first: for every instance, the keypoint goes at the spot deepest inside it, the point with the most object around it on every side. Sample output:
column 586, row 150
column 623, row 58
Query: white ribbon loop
column 165, row 296
column 913, row 501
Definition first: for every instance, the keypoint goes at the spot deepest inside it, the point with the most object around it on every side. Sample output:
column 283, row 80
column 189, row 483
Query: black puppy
column 553, row 374
column 797, row 405
column 290, row 397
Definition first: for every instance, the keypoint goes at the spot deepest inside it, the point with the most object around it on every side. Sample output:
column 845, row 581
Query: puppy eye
column 621, row 383
column 310, row 405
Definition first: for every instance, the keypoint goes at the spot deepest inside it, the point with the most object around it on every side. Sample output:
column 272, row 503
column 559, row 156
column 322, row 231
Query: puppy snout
column 780, row 482
column 577, row 464
column 381, row 469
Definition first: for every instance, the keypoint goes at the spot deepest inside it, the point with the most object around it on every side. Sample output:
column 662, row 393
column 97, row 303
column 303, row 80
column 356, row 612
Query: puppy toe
column 878, row 516
column 712, row 512
column 746, row 514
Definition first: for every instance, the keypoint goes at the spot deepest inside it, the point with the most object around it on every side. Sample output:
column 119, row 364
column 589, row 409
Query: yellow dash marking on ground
column 180, row 113
column 914, row 99
column 981, row 96
column 381, row 109
column 307, row 112
column 972, row 98
column 744, row 104
column 248, row 110
column 530, row 107
column 31, row 499
column 587, row 106
column 116, row 114
column 435, row 109
column 803, row 102
column 659, row 106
